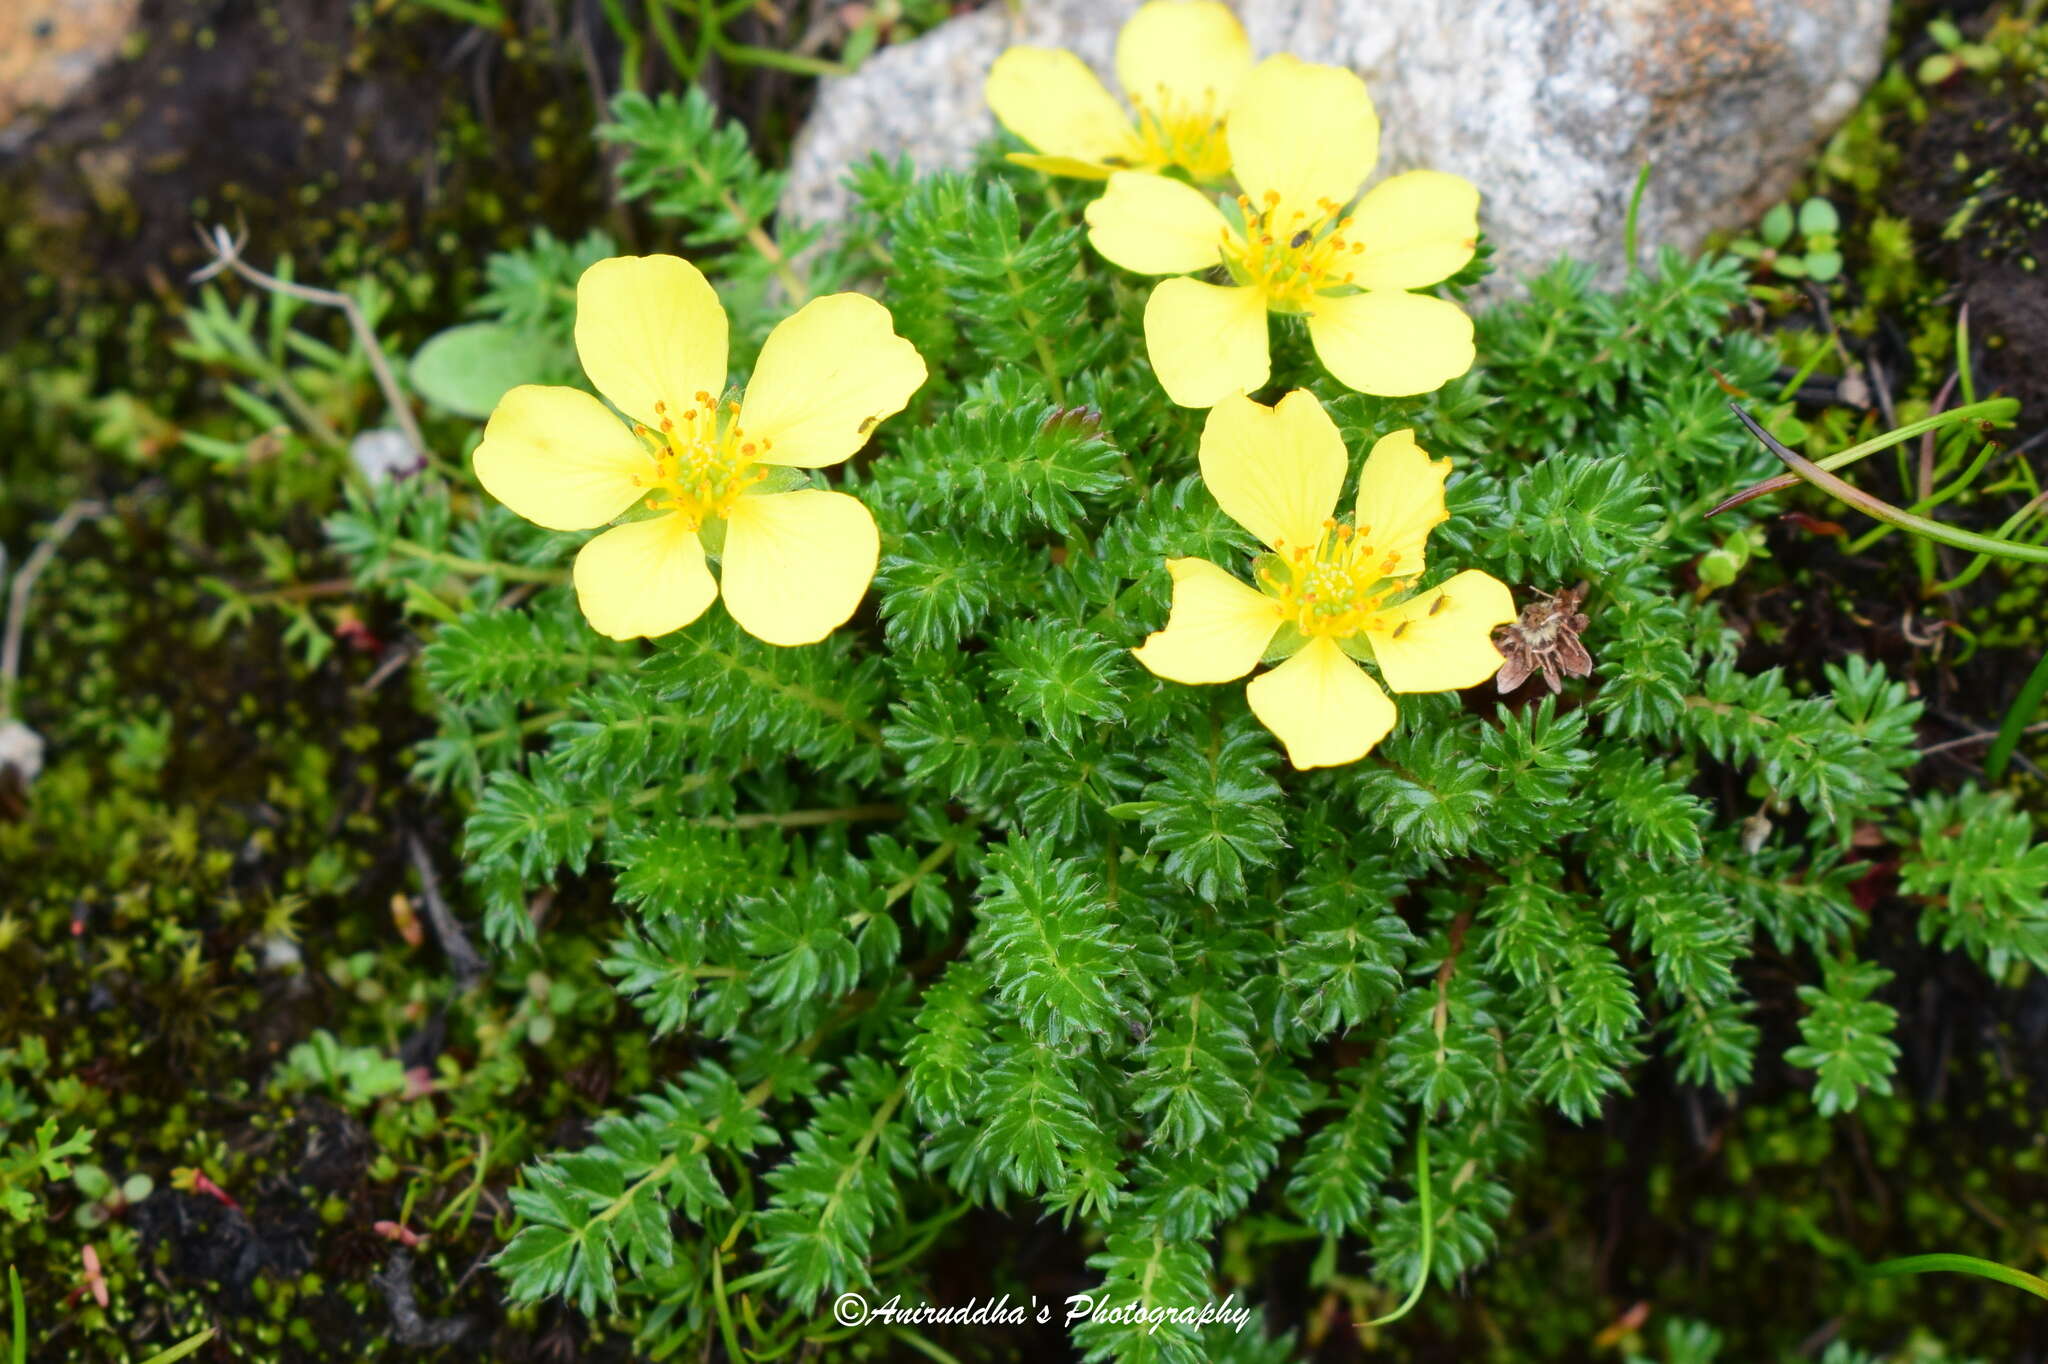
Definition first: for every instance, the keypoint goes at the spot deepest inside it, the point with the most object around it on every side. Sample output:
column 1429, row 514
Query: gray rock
column 21, row 753
column 1550, row 106
column 49, row 49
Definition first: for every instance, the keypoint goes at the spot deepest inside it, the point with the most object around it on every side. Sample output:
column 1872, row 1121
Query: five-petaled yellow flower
column 794, row 561
column 1302, row 139
column 1330, row 592
column 1180, row 61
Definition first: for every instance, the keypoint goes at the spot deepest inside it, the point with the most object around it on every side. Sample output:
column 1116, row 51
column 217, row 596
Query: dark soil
column 1977, row 196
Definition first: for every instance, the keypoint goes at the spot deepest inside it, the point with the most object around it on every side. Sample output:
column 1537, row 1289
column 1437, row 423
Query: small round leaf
column 466, row 369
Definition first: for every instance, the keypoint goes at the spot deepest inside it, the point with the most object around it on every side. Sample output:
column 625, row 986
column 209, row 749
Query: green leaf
column 1823, row 265
column 466, row 369
column 1848, row 1036
column 1776, row 228
column 1818, row 217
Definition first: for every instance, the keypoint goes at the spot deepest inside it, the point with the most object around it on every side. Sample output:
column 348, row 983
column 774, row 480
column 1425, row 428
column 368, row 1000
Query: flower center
column 1337, row 588
column 1188, row 134
column 1290, row 256
column 703, row 461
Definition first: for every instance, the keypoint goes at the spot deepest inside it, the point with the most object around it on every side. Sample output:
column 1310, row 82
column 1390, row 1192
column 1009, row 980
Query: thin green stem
column 725, row 1322
column 1960, row 1264
column 1428, row 1232
column 1040, row 342
column 483, row 16
column 1930, row 502
column 1983, row 561
column 793, row 280
column 671, row 41
column 933, row 861
column 1998, row 411
column 1803, row 373
column 18, row 1351
column 801, row 819
column 1884, row 511
column 748, row 54
column 518, row 573
column 181, row 1350
column 1628, row 224
column 2032, row 692
column 752, row 1100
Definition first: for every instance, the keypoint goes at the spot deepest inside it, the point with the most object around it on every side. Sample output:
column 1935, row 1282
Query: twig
column 398, row 659
column 227, row 255
column 469, row 967
column 24, row 583
column 1984, row 738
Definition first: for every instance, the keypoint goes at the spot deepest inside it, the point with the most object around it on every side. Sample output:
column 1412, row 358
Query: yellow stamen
column 699, row 471
column 1290, row 257
column 1188, row 133
column 1338, row 589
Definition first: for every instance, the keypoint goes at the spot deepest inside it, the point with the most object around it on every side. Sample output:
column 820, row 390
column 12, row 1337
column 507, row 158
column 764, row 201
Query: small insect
column 867, row 424
column 1300, row 239
column 1545, row 639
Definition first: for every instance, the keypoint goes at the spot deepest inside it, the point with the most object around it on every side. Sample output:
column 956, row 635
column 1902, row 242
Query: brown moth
column 1546, row 638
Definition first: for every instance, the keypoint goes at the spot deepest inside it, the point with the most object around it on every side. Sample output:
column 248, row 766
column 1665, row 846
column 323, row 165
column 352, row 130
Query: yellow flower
column 1330, row 592
column 1180, row 62
column 1302, row 140
column 794, row 562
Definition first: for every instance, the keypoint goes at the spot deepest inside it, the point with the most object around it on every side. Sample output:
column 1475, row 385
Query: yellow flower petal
column 829, row 372
column 1322, row 706
column 643, row 578
column 1305, row 132
column 1156, row 226
column 1418, row 228
column 1442, row 640
column 1400, row 501
column 1277, row 470
column 1181, row 56
column 649, row 329
column 1217, row 630
column 1389, row 343
column 1206, row 341
column 559, row 458
column 1062, row 165
column 797, row 564
column 1054, row 102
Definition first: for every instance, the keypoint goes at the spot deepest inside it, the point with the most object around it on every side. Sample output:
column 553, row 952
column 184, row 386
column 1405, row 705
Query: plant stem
column 802, row 819
column 2032, row 692
column 24, row 583
column 1428, row 1233
column 228, row 255
column 518, row 573
column 798, row 288
column 1961, row 1264
column 1990, row 410
column 1884, row 511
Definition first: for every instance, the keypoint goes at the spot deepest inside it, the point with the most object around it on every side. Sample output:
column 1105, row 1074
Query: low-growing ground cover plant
column 964, row 909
